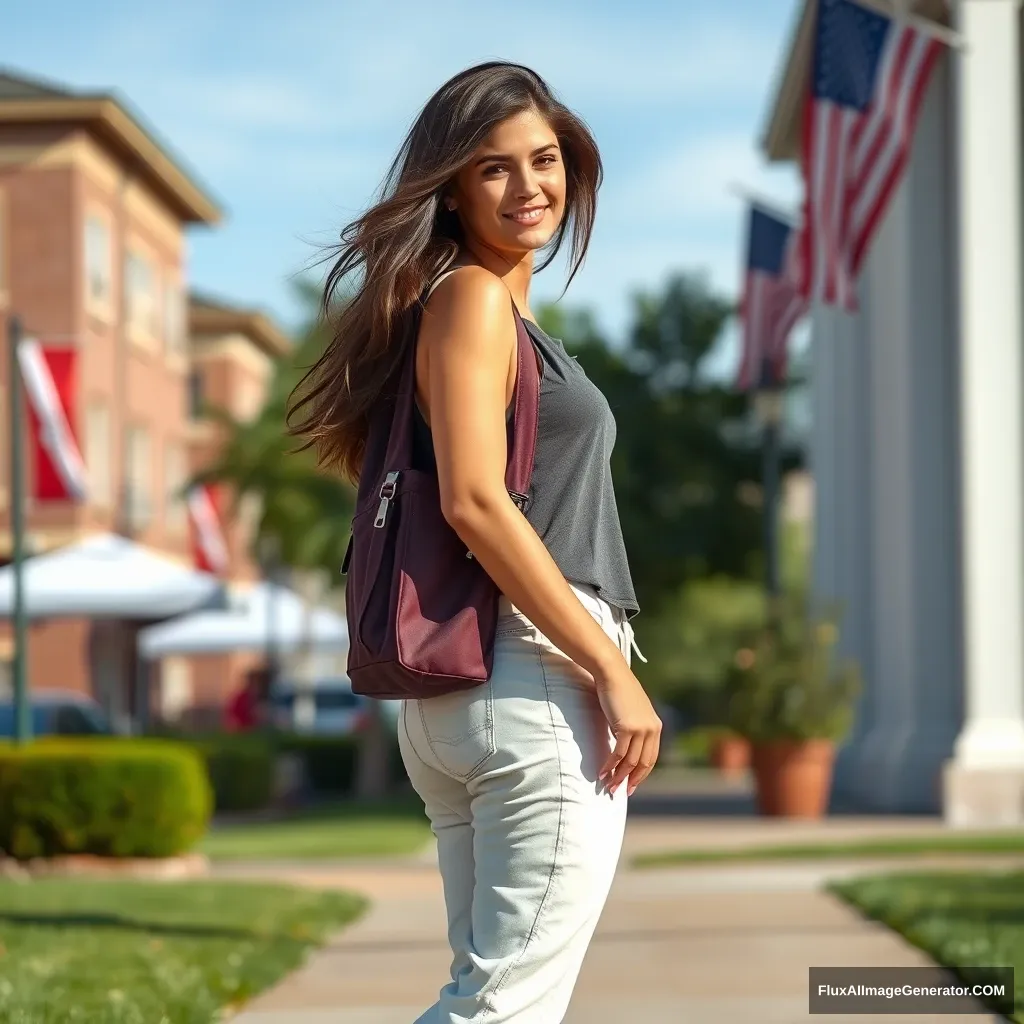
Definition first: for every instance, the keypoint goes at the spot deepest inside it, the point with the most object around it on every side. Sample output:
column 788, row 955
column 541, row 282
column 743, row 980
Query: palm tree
column 305, row 513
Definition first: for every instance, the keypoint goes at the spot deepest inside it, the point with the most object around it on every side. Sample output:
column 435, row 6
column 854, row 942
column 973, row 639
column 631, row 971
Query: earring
column 450, row 203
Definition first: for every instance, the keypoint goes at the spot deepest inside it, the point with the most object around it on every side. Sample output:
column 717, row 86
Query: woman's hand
column 634, row 723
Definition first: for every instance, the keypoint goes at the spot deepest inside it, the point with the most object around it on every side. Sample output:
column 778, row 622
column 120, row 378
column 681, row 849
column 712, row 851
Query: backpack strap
column 526, row 414
column 400, row 438
column 437, row 280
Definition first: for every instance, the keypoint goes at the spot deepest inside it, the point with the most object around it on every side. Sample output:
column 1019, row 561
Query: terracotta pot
column 730, row 754
column 793, row 777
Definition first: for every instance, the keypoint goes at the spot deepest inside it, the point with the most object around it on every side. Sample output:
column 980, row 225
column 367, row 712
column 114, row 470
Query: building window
column 4, row 480
column 139, row 471
column 3, row 247
column 175, row 334
column 195, row 395
column 99, row 272
column 141, row 296
column 97, row 453
column 249, row 393
column 175, row 479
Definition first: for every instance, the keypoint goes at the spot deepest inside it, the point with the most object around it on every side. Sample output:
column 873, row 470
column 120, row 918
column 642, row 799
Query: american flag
column 772, row 302
column 868, row 78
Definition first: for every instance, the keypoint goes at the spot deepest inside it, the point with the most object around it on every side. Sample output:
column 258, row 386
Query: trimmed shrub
column 108, row 797
column 329, row 761
column 240, row 768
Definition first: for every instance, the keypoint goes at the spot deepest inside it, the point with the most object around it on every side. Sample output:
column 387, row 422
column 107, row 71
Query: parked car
column 58, row 713
column 328, row 707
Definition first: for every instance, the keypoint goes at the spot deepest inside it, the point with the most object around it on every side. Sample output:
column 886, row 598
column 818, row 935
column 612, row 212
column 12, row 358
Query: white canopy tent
column 110, row 577
column 255, row 618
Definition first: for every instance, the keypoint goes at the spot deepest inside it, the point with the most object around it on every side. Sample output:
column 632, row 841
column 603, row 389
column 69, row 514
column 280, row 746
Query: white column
column 852, row 532
column 823, row 454
column 897, row 409
column 992, row 428
column 912, row 668
column 891, row 307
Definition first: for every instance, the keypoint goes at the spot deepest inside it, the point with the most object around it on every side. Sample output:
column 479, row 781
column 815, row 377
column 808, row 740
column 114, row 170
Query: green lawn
column 959, row 919
column 345, row 830
column 995, row 844
column 151, row 953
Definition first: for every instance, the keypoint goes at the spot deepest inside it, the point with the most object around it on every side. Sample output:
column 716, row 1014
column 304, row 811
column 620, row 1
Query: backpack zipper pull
column 387, row 495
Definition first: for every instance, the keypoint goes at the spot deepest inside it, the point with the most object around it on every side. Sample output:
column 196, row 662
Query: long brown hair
column 408, row 236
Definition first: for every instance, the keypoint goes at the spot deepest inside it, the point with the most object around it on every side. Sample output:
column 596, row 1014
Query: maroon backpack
column 422, row 612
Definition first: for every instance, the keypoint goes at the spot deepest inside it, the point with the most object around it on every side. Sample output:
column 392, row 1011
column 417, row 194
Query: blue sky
column 290, row 114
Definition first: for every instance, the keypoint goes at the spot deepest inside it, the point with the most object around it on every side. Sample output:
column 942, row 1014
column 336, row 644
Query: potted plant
column 730, row 752
column 793, row 701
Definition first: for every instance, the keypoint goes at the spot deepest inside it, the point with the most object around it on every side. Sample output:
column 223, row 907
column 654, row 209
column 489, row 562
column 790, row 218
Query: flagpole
column 763, row 203
column 19, row 666
column 900, row 12
column 769, row 403
column 769, row 408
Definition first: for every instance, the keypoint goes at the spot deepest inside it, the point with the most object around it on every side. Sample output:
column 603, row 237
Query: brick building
column 93, row 220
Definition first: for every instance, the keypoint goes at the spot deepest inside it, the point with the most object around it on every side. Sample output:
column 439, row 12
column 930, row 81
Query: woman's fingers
column 634, row 757
column 648, row 759
column 622, row 741
column 625, row 765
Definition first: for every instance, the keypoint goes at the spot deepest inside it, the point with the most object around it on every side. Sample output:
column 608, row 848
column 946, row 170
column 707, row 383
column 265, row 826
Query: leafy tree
column 304, row 511
column 687, row 473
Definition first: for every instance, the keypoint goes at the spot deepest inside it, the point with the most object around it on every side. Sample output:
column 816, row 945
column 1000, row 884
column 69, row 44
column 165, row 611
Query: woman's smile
column 528, row 215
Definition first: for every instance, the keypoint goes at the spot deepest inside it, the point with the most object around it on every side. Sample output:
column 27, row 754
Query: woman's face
column 511, row 195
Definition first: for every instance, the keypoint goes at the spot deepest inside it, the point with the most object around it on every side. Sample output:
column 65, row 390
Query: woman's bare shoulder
column 470, row 307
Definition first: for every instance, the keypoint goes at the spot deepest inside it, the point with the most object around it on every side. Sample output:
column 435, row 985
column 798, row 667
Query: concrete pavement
column 690, row 945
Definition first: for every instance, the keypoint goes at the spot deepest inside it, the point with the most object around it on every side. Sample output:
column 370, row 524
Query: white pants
column 528, row 839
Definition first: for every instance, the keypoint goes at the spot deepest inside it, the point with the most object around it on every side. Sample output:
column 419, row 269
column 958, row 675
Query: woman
column 524, row 779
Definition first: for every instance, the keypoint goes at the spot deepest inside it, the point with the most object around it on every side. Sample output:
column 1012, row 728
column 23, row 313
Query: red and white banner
column 50, row 382
column 209, row 545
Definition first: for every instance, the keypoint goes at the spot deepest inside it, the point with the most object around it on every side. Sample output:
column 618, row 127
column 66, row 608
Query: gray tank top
column 572, row 500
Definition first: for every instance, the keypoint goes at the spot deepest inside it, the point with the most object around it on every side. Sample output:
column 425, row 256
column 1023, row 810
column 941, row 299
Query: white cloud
column 695, row 65
column 209, row 153
column 607, row 56
column 242, row 101
column 292, row 113
column 619, row 266
column 695, row 180
column 344, row 68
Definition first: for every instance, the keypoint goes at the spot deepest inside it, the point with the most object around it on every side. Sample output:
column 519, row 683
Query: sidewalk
column 691, row 945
